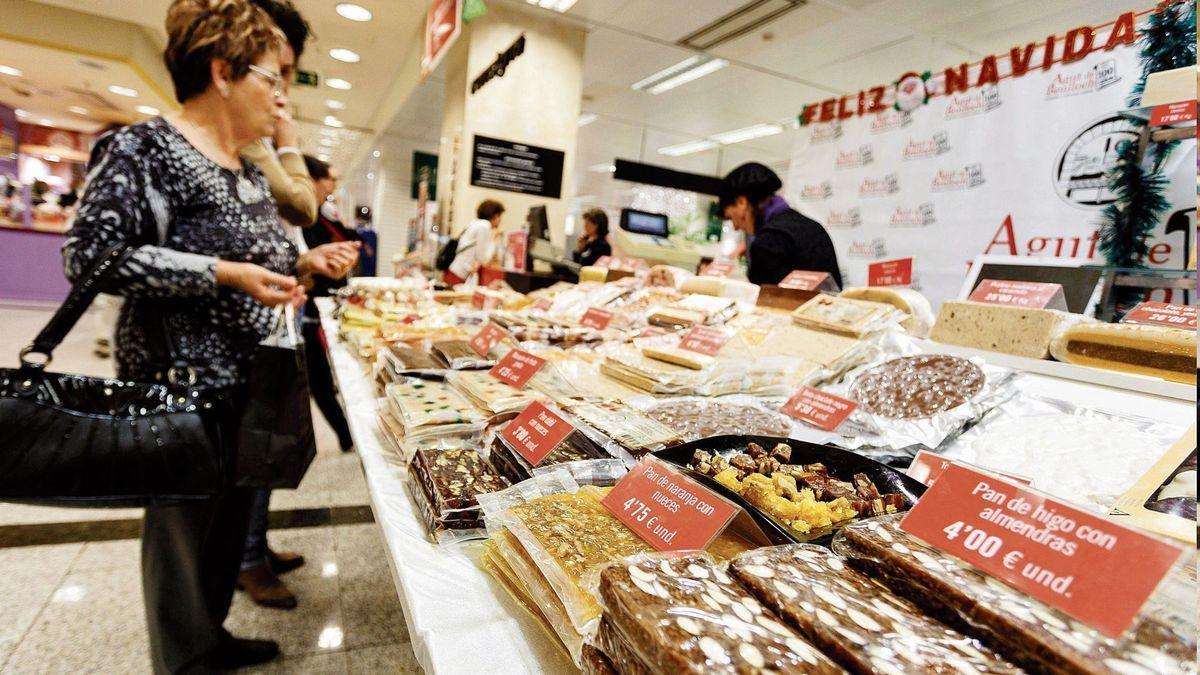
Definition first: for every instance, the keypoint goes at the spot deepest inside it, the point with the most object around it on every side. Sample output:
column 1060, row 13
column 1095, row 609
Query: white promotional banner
column 1012, row 168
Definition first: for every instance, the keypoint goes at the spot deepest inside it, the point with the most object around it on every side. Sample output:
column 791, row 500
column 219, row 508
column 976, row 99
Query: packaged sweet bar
column 445, row 485
column 458, row 355
column 696, row 418
column 683, row 614
column 631, row 430
column 419, row 404
column 596, row 663
column 855, row 620
column 1027, row 632
column 843, row 316
column 618, row 652
column 403, row 359
column 576, row 447
column 521, row 572
column 490, row 394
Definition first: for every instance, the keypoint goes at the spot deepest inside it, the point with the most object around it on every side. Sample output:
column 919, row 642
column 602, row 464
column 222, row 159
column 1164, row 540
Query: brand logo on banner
column 1080, row 172
column 920, row 216
column 922, row 148
column 1094, row 78
column 879, row 187
column 851, row 217
column 826, row 133
column 817, row 192
column 890, row 120
column 851, row 159
column 974, row 102
column 965, row 178
column 871, row 250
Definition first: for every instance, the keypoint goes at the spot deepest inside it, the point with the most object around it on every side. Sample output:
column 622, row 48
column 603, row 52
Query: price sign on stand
column 543, row 305
column 516, row 368
column 605, row 261
column 890, row 273
column 1092, row 568
column 927, row 466
column 1031, row 294
column 1173, row 113
column 803, row 280
column 1162, row 314
column 818, row 408
column 704, row 340
column 718, row 269
column 596, row 318
column 537, row 431
column 487, row 337
column 667, row 509
column 518, row 243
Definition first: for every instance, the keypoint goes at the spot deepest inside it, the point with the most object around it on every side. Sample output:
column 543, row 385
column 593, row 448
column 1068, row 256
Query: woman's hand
column 260, row 283
column 583, row 242
column 329, row 260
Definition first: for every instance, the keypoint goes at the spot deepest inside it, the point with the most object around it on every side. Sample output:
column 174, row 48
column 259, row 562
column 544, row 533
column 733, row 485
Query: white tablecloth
column 459, row 619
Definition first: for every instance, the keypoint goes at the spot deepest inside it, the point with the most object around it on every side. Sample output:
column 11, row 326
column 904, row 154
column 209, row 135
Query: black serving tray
column 841, row 464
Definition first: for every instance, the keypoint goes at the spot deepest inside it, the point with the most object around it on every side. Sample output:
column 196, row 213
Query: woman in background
column 593, row 243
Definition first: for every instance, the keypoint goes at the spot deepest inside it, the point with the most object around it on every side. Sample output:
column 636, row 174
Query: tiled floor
column 76, row 607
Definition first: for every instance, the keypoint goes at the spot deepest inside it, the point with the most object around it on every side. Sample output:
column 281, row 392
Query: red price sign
column 517, row 244
column 818, row 408
column 1173, row 113
column 487, row 337
column 604, row 261
column 704, row 340
column 543, row 305
column 927, row 466
column 669, row 510
column 478, row 300
column 516, row 368
column 652, row 331
column 1033, row 294
column 536, row 431
column 1094, row 569
column 803, row 280
column 596, row 318
column 718, row 269
column 1163, row 314
column 890, row 273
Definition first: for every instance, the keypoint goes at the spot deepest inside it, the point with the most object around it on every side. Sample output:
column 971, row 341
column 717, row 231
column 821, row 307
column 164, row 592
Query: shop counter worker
column 781, row 240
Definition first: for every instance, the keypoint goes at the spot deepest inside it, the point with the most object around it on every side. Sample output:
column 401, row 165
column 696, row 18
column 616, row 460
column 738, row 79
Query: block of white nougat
column 1020, row 331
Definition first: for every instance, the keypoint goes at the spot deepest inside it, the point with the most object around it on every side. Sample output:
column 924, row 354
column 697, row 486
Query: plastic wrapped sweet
column 458, row 355
column 694, row 310
column 516, row 569
column 594, row 662
column 1021, row 331
column 1157, row 351
column 857, row 621
column 573, row 379
column 683, row 614
column 1029, row 633
column 445, row 485
column 917, row 386
column 632, row 431
column 919, row 315
column 490, row 394
column 619, row 654
column 727, row 373
column 696, row 418
column 576, row 447
column 844, row 316
column 420, row 404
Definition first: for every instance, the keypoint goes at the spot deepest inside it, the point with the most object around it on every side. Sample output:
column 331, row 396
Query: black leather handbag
column 73, row 440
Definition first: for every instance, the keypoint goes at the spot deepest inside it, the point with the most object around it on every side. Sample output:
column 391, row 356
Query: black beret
column 751, row 180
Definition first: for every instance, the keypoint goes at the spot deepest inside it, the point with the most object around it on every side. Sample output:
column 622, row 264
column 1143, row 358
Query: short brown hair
column 598, row 218
column 200, row 31
column 488, row 209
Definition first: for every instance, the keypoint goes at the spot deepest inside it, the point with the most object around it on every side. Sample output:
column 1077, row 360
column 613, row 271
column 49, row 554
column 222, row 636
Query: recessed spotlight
column 21, row 113
column 328, row 132
column 688, row 148
column 331, row 121
column 335, row 104
column 78, row 110
column 327, row 142
column 353, row 12
column 123, row 91
column 586, row 119
column 147, row 110
column 323, row 158
column 47, row 123
column 370, row 176
column 52, row 158
column 9, row 70
column 338, row 83
column 375, row 154
column 344, row 55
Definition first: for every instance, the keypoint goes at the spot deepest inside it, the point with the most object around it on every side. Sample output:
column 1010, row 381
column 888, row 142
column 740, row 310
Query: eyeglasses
column 274, row 79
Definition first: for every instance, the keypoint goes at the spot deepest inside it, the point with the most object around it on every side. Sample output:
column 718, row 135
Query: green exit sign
column 308, row 78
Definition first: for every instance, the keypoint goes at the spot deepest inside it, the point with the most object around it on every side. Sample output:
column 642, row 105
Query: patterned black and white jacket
column 150, row 187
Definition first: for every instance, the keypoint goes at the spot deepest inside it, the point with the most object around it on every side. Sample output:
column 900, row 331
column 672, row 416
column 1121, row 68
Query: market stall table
column 458, row 619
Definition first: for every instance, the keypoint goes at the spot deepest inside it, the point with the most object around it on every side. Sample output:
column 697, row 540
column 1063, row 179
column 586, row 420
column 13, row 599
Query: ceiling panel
column 613, row 57
column 669, row 20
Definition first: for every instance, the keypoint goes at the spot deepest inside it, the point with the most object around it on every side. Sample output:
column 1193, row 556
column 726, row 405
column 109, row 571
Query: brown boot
column 284, row 561
column 265, row 588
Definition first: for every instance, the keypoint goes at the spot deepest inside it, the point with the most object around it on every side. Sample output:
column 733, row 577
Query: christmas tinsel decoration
column 1167, row 42
column 1127, row 223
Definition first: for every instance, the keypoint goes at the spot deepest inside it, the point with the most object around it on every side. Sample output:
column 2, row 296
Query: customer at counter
column 477, row 245
column 781, row 239
column 593, row 243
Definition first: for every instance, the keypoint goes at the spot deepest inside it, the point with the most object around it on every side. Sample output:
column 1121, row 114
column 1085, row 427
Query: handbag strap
column 83, row 292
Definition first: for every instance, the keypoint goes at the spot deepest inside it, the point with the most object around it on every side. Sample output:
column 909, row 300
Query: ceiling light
column 687, row 148
column 327, row 142
column 602, row 168
column 123, row 91
column 354, row 12
column 323, row 157
column 370, row 176
column 147, row 110
column 21, row 113
column 328, row 132
column 335, row 104
column 375, row 154
column 47, row 123
column 9, row 70
column 331, row 121
column 344, row 55
column 78, row 110
column 691, row 68
column 747, row 133
column 338, row 83
column 52, row 158
column 586, row 119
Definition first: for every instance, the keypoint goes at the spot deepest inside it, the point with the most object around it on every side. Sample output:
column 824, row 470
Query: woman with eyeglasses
column 210, row 263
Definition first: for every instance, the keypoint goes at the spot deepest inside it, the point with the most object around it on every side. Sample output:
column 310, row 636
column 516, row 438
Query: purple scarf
column 775, row 206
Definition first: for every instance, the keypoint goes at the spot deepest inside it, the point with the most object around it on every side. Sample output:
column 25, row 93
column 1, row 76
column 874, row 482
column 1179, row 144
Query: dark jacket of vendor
column 783, row 239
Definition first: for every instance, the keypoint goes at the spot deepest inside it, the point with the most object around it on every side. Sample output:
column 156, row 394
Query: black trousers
column 320, row 379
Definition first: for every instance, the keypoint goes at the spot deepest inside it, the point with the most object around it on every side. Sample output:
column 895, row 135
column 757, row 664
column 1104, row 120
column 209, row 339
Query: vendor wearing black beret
column 781, row 240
